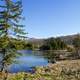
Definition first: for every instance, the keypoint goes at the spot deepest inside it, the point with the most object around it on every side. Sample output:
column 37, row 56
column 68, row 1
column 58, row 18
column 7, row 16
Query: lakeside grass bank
column 63, row 70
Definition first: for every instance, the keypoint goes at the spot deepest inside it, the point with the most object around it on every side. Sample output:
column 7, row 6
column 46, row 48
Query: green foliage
column 53, row 44
column 45, row 47
column 10, row 16
column 76, row 42
column 28, row 46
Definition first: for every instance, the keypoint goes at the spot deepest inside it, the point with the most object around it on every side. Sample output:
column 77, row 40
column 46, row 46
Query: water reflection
column 28, row 60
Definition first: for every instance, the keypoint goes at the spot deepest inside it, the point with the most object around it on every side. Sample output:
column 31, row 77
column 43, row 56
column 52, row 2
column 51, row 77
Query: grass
column 63, row 70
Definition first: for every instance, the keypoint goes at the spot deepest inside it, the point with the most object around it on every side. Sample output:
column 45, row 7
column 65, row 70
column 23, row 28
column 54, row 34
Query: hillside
column 67, row 39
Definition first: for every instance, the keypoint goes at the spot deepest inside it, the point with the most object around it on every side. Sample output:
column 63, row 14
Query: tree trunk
column 5, row 73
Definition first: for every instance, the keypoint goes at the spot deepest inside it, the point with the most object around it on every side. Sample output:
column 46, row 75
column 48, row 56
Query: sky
column 51, row 18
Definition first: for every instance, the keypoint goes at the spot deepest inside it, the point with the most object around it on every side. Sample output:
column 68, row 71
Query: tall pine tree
column 10, row 16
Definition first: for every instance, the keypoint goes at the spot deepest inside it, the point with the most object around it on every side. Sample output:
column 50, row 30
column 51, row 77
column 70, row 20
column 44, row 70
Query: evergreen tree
column 10, row 16
column 76, row 43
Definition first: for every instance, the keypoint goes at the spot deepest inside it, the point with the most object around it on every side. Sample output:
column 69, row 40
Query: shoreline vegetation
column 64, row 59
column 13, row 38
column 62, row 70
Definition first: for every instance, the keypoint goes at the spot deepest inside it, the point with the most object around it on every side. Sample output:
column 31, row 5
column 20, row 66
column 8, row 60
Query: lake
column 27, row 61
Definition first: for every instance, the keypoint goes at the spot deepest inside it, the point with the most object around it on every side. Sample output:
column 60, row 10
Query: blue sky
column 48, row 18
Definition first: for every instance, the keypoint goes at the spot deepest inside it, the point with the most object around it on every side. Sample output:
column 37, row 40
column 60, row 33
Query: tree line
column 53, row 44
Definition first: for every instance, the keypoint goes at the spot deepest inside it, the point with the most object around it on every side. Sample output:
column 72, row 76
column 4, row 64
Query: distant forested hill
column 67, row 39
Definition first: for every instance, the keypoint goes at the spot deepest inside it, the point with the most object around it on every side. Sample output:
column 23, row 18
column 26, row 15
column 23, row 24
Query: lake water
column 27, row 61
